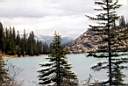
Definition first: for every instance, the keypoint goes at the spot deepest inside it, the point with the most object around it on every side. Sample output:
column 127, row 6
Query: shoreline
column 5, row 56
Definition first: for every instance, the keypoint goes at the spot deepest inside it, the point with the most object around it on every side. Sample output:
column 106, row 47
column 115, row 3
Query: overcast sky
column 45, row 16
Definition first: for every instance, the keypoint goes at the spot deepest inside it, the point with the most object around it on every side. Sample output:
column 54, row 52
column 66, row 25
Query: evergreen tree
column 6, row 40
column 117, row 75
column 18, row 40
column 23, row 43
column 39, row 47
column 109, row 45
column 45, row 48
column 4, row 77
column 13, row 43
column 57, row 71
column 1, row 37
column 122, row 22
column 13, row 34
column 31, row 44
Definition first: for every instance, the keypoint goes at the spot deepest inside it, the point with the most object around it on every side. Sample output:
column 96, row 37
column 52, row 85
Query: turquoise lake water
column 26, row 68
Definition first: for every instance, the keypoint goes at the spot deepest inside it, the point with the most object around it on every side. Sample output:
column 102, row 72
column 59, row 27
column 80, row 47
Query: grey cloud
column 41, row 8
column 66, row 25
column 46, row 16
column 38, row 8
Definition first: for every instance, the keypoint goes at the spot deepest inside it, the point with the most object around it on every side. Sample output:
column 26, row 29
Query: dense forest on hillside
column 13, row 43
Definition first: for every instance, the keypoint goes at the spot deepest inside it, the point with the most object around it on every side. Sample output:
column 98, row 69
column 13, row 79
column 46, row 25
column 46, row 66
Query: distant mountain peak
column 84, row 43
column 48, row 39
column 89, row 41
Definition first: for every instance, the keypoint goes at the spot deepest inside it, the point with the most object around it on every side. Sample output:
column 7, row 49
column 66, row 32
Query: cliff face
column 84, row 43
column 88, row 41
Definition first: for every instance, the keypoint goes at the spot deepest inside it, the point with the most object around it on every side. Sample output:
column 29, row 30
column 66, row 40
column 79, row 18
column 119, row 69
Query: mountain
column 88, row 41
column 48, row 39
column 84, row 43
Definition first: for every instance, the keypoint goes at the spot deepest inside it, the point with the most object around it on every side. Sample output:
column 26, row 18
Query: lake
column 25, row 69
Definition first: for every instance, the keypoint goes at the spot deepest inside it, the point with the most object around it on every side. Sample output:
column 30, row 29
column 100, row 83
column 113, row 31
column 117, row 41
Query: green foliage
column 122, row 22
column 4, row 77
column 111, row 42
column 1, row 37
column 13, row 43
column 57, row 71
column 45, row 48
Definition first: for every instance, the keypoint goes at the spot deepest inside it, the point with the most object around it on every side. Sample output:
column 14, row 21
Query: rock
column 89, row 41
column 84, row 43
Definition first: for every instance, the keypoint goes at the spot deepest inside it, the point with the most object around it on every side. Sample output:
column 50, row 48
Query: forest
column 14, row 43
column 54, row 64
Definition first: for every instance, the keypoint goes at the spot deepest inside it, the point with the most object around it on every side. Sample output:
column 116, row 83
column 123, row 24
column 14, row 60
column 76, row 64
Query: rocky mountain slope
column 87, row 42
column 84, row 43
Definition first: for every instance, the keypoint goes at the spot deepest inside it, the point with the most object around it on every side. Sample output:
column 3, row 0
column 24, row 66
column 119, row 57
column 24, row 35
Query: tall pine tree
column 57, row 71
column 1, row 37
column 31, row 44
column 109, row 45
column 122, row 21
